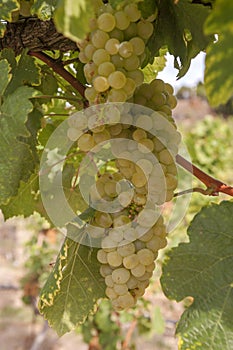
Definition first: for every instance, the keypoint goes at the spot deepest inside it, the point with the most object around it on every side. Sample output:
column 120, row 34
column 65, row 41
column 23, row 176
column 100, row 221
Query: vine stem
column 58, row 68
column 213, row 185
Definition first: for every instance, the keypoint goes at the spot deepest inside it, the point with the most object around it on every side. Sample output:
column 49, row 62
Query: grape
column 137, row 76
column 131, row 261
column 145, row 256
column 138, row 45
column 112, row 46
column 122, row 20
column 102, row 256
column 86, row 142
column 106, row 22
column 108, row 280
column 125, row 301
column 105, row 69
column 120, row 275
column 100, row 56
column 103, row 219
column 130, row 31
column 120, row 289
column 126, row 49
column 118, row 95
column 89, row 51
column 105, row 270
column 117, row 80
column 99, row 39
column 82, row 57
column 131, row 63
column 127, row 249
column 132, row 12
column 110, row 292
column 100, row 84
column 138, row 270
column 145, row 29
column 114, row 259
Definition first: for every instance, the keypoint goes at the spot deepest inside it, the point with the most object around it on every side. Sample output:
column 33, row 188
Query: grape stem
column 213, row 186
column 58, row 68
column 129, row 334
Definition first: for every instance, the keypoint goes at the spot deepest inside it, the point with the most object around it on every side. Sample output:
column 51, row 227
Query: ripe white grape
column 108, row 280
column 89, row 51
column 102, row 256
column 125, row 301
column 138, row 270
column 131, row 63
column 86, row 142
column 114, row 259
column 99, row 39
column 132, row 12
column 126, row 249
column 122, row 20
column 100, row 84
column 100, row 56
column 106, row 22
column 138, row 45
column 117, row 80
column 120, row 275
column 120, row 289
column 126, row 49
column 145, row 256
column 131, row 261
column 105, row 69
column 110, row 292
column 145, row 29
column 112, row 46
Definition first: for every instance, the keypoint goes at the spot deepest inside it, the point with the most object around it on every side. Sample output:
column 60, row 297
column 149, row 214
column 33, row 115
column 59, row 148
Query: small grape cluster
column 158, row 96
column 113, row 53
column 127, row 261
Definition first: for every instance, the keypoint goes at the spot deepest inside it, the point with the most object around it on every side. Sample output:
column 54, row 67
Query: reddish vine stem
column 213, row 186
column 58, row 67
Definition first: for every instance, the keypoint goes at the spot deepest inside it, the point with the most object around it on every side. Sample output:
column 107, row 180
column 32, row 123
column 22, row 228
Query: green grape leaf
column 6, row 7
column 72, row 17
column 44, row 8
column 218, row 71
column 16, row 158
column 179, row 26
column 203, row 269
column 73, row 287
column 25, row 202
column 25, row 72
column 5, row 76
column 151, row 70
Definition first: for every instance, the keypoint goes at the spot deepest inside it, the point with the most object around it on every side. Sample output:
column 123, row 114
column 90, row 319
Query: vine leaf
column 16, row 158
column 69, row 13
column 73, row 287
column 44, row 8
column 203, row 269
column 180, row 28
column 6, row 8
column 218, row 71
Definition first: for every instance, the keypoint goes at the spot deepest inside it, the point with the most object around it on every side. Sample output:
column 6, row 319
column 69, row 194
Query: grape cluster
column 127, row 262
column 113, row 53
column 140, row 138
